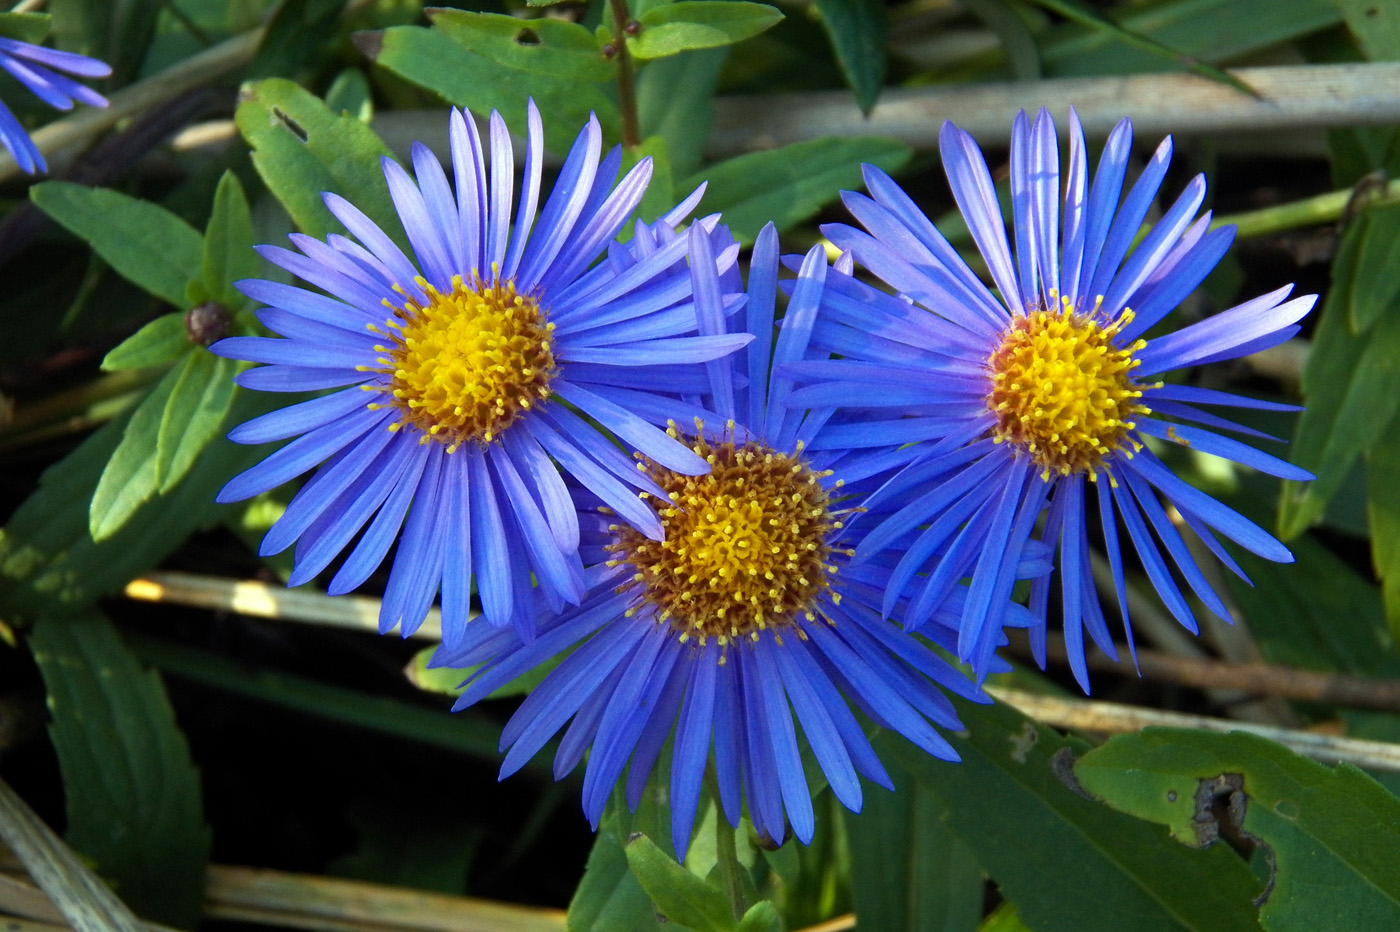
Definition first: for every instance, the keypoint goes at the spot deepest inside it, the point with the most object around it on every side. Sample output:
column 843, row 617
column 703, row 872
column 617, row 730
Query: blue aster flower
column 37, row 68
column 462, row 378
column 1033, row 402
column 747, row 610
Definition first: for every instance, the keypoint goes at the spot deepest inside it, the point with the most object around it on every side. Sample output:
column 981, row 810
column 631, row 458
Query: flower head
column 449, row 371
column 37, row 68
column 747, row 609
column 1034, row 401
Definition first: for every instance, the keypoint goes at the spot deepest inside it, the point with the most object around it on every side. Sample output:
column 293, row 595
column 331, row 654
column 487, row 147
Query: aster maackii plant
column 38, row 68
column 746, row 610
column 461, row 379
column 1035, row 401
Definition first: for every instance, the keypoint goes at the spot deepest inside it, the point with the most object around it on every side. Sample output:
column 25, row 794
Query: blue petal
column 300, row 418
column 633, row 431
column 492, row 552
column 692, row 747
column 370, row 551
column 299, row 456
column 976, row 197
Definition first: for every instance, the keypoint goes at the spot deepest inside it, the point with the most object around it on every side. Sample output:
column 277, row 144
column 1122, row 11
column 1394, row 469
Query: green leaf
column 1237, row 27
column 428, row 58
column 130, row 477
column 448, row 680
column 1105, row 870
column 350, row 94
column 909, row 873
column 678, row 894
column 1005, row 918
column 675, row 100
column 699, row 24
column 1375, row 26
column 1017, row 39
column 608, row 897
column 26, row 27
column 295, row 37
column 660, row 194
column 161, row 341
column 1328, row 829
column 1372, row 295
column 49, row 561
column 228, row 244
column 301, row 148
column 542, row 46
column 143, row 242
column 193, row 414
column 1383, row 516
column 132, row 792
column 857, row 30
column 1294, row 610
column 1351, row 383
column 790, row 184
column 761, row 917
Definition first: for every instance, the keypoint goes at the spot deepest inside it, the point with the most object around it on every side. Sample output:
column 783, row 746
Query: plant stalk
column 626, row 85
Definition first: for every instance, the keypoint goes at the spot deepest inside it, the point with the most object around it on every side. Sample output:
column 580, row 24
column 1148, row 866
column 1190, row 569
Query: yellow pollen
column 745, row 547
column 466, row 363
column 1062, row 391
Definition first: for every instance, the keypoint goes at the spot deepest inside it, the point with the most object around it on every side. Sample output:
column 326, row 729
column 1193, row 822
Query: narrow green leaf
column 790, row 184
column 1005, row 918
column 1101, row 869
column 228, row 244
column 142, row 242
column 428, row 58
column 462, row 733
column 699, row 24
column 1375, row 295
column 1383, row 516
column 49, row 561
column 130, row 477
column 909, row 873
column 857, row 30
column 678, row 894
column 1237, row 28
column 1375, row 26
column 542, row 46
column 1329, row 830
column 193, row 414
column 132, row 792
column 1351, row 383
column 676, row 101
column 301, row 148
column 1017, row 39
column 161, row 341
column 1085, row 15
column 26, row 27
column 295, row 37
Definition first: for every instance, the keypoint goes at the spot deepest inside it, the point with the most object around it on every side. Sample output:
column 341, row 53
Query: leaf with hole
column 1329, row 830
column 542, row 46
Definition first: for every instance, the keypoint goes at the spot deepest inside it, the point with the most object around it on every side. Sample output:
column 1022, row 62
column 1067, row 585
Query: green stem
column 727, row 853
column 626, row 87
column 1313, row 211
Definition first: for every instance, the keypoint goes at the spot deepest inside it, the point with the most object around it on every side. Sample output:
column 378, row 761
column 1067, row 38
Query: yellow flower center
column 1062, row 392
column 465, row 364
column 745, row 548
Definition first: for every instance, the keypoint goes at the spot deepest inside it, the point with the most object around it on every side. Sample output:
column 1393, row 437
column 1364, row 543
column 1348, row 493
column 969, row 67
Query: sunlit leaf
column 143, row 242
column 228, row 244
column 161, row 341
column 193, row 414
column 699, row 24
column 1327, row 828
column 540, row 46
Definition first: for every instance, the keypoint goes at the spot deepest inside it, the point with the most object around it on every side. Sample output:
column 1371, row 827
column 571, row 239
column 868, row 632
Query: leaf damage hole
column 1022, row 743
column 1221, row 802
column 527, row 36
column 293, row 125
column 1062, row 766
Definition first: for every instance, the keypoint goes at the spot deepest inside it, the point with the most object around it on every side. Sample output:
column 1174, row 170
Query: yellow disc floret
column 464, row 364
column 1062, row 391
column 746, row 548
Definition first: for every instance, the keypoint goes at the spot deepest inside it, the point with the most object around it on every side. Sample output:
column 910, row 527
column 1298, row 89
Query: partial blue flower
column 463, row 375
column 37, row 68
column 748, row 610
column 1031, row 403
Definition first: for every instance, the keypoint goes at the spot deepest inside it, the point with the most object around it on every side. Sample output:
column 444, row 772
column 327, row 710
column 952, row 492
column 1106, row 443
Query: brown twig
column 626, row 89
column 1259, row 679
